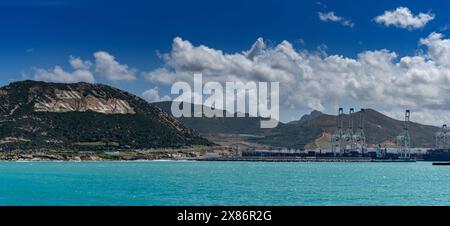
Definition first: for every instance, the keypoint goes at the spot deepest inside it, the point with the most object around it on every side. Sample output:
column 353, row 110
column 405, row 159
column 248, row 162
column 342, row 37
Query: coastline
column 90, row 158
column 212, row 154
column 330, row 160
column 93, row 161
column 166, row 154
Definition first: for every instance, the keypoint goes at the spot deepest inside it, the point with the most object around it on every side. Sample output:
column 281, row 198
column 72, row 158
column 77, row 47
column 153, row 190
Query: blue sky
column 41, row 34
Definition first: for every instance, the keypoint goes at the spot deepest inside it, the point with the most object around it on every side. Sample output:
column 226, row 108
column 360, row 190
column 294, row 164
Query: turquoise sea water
column 223, row 183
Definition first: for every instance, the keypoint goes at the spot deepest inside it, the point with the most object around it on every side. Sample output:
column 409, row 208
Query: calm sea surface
column 223, row 183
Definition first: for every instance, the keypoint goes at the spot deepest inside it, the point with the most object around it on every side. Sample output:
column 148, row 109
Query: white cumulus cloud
column 58, row 74
column 77, row 63
column 378, row 79
column 107, row 66
column 403, row 17
column 331, row 16
column 152, row 95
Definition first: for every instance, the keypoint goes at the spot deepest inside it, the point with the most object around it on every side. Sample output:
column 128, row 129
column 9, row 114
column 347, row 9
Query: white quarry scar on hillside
column 70, row 101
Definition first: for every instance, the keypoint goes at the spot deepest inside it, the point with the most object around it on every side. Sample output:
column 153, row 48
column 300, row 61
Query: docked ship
column 442, row 150
column 437, row 155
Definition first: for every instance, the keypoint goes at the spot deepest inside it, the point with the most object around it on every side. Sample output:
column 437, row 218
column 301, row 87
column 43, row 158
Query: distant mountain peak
column 313, row 115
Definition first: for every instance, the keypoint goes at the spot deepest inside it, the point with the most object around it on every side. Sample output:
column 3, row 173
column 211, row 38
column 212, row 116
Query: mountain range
column 311, row 131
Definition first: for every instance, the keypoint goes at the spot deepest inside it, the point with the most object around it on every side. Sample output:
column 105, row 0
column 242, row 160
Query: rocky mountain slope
column 308, row 117
column 87, row 116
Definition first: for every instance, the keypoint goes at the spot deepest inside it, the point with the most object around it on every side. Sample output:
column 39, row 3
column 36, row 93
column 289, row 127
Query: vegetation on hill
column 21, row 126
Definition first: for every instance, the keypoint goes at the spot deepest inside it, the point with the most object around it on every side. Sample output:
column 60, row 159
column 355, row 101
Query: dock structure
column 348, row 138
column 345, row 141
column 442, row 138
column 359, row 137
column 404, row 140
column 287, row 159
column 336, row 138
